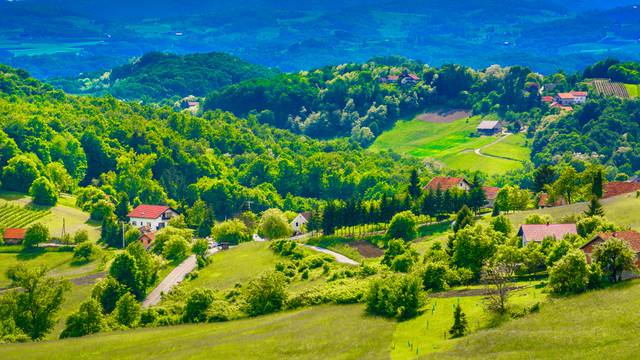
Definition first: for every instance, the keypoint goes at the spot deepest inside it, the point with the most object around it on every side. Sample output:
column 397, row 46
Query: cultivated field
column 15, row 216
column 451, row 143
column 608, row 88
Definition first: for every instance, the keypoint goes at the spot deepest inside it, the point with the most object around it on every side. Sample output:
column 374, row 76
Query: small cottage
column 298, row 223
column 13, row 236
column 152, row 217
column 537, row 232
column 445, row 183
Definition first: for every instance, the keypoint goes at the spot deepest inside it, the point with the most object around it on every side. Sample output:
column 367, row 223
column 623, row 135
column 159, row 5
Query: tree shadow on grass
column 30, row 254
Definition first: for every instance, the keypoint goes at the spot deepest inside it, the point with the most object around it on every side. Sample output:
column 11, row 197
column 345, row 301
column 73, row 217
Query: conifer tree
column 594, row 208
column 460, row 325
column 414, row 185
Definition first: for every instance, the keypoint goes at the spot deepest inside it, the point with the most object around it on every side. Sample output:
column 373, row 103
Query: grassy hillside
column 452, row 143
column 595, row 325
column 237, row 265
column 58, row 263
column 312, row 333
column 632, row 89
column 622, row 209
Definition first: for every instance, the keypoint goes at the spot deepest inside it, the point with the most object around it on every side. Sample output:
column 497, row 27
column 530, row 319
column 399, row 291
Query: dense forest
column 156, row 155
column 155, row 77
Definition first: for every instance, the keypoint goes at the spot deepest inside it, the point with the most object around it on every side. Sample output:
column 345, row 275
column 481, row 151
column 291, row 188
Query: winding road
column 339, row 257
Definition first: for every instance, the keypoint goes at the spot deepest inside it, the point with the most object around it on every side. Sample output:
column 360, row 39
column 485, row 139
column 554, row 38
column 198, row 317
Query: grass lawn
column 325, row 332
column 633, row 90
column 65, row 214
column 76, row 296
column 450, row 143
column 594, row 325
column 623, row 210
column 236, row 265
column 58, row 263
column 512, row 147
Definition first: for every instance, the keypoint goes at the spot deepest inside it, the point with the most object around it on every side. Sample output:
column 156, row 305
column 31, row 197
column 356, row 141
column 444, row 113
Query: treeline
column 155, row 155
column 156, row 76
column 625, row 72
column 354, row 100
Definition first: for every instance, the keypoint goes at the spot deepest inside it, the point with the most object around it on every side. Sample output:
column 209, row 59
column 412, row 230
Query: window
column 133, row 223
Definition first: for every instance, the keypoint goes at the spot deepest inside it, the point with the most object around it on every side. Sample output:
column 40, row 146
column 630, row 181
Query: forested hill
column 156, row 76
column 157, row 155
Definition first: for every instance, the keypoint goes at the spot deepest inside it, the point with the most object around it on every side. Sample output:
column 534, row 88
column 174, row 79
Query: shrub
column 81, row 236
column 177, row 248
column 127, row 311
column 36, row 234
column 231, row 231
column 274, row 225
column 570, row 274
column 348, row 291
column 87, row 320
column 197, row 305
column 43, row 192
column 538, row 219
column 502, row 224
column 131, row 235
column 200, row 247
column 399, row 256
column 108, row 291
column 220, row 310
column 266, row 294
column 434, row 276
column 403, row 226
column 84, row 252
column 395, row 296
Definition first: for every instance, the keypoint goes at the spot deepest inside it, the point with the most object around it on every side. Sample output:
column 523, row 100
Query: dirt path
column 339, row 257
column 174, row 278
column 477, row 151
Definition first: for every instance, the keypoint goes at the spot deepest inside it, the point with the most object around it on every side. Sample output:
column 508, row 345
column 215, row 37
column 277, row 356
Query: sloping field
column 512, row 147
column 622, row 209
column 325, row 332
column 608, row 88
column 595, row 325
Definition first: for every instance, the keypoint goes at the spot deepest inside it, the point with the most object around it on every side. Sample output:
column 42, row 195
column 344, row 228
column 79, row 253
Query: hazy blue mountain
column 64, row 38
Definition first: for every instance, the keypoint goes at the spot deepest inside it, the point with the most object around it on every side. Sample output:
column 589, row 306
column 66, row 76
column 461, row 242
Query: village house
column 297, row 224
column 491, row 193
column 538, row 232
column 13, row 236
column 405, row 78
column 571, row 98
column 631, row 237
column 151, row 217
column 147, row 238
column 615, row 188
column 445, row 183
column 489, row 128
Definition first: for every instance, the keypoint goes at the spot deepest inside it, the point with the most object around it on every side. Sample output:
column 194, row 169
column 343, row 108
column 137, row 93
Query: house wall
column 298, row 223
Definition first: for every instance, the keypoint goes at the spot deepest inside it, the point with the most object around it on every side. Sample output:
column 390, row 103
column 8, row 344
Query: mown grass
column 59, row 264
column 236, row 265
column 633, row 90
column 623, row 210
column 451, row 143
column 595, row 325
column 512, row 147
column 325, row 332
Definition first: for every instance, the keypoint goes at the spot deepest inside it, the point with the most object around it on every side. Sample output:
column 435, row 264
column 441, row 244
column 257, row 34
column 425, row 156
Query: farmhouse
column 147, row 238
column 489, row 128
column 152, row 217
column 13, row 236
column 630, row 236
column 490, row 193
column 538, row 232
column 298, row 223
column 445, row 183
column 615, row 188
column 571, row 98
column 405, row 78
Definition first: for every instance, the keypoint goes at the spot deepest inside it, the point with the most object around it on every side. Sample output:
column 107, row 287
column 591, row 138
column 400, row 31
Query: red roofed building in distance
column 571, row 98
column 615, row 188
column 152, row 217
column 490, row 192
column 445, row 183
column 544, row 202
column 547, row 99
column 13, row 236
column 631, row 237
column 538, row 232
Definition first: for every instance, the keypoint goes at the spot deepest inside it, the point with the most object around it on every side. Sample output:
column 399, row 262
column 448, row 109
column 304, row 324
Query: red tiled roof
column 579, row 93
column 547, row 99
column 491, row 192
column 393, row 77
column 14, row 234
column 537, row 232
column 565, row 96
column 561, row 107
column 544, row 201
column 414, row 76
column 444, row 183
column 616, row 188
column 632, row 237
column 148, row 211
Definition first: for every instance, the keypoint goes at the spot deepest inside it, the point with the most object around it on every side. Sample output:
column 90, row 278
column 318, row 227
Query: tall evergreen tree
column 597, row 186
column 414, row 185
column 460, row 325
column 594, row 208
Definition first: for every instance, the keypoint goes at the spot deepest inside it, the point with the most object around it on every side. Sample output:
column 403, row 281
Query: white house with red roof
column 151, row 217
column 571, row 98
column 538, row 232
column 445, row 183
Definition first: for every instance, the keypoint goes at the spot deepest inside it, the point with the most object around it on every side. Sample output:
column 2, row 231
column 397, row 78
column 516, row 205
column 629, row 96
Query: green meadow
column 454, row 144
column 633, row 90
column 622, row 209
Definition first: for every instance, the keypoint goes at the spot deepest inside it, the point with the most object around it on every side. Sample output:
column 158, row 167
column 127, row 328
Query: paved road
column 339, row 257
column 174, row 278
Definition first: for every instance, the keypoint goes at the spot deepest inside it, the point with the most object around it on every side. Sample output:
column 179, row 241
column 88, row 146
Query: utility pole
column 123, row 234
